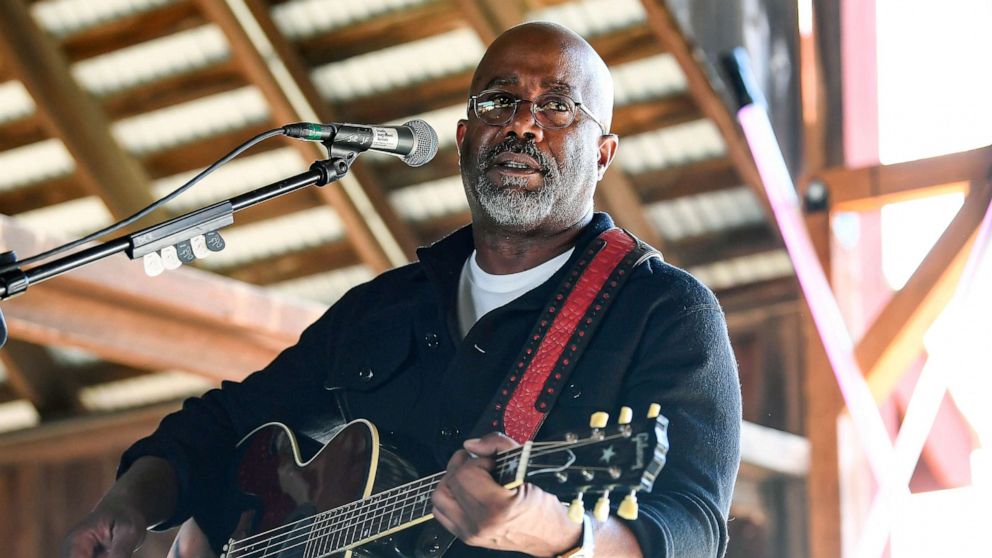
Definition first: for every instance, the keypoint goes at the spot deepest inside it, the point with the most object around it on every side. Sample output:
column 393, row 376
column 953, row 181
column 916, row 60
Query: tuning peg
column 626, row 415
column 628, row 507
column 599, row 420
column 654, row 410
column 577, row 509
column 602, row 510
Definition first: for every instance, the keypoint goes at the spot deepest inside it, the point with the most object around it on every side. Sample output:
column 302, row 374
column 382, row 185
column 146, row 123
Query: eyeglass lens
column 550, row 110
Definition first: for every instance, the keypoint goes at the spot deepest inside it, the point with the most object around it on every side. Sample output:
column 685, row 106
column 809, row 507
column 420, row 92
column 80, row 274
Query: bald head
column 553, row 51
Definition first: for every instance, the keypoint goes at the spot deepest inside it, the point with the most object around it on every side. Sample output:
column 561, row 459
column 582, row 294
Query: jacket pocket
column 375, row 369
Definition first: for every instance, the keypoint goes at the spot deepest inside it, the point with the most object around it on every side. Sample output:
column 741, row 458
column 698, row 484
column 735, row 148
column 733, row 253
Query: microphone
column 415, row 142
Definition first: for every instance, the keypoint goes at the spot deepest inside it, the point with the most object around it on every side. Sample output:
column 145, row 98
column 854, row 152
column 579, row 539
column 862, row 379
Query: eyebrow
column 556, row 86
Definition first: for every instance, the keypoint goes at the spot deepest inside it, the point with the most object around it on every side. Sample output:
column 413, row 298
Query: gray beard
column 513, row 206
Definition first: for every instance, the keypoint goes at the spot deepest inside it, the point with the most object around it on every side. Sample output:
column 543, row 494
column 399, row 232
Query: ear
column 608, row 146
column 460, row 135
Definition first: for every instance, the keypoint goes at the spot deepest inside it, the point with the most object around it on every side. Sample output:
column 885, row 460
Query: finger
column 457, row 460
column 446, row 522
column 490, row 444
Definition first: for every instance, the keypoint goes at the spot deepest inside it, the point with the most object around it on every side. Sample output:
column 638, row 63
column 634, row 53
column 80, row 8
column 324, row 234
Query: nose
column 523, row 123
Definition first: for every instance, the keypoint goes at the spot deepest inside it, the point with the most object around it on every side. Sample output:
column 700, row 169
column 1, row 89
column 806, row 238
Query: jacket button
column 574, row 391
column 449, row 431
column 365, row 374
column 431, row 340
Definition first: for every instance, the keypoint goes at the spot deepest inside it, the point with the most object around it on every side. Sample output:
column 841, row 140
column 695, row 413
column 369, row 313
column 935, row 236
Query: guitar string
column 509, row 455
column 337, row 516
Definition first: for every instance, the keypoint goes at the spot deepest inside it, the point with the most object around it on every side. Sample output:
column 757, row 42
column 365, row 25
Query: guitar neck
column 363, row 521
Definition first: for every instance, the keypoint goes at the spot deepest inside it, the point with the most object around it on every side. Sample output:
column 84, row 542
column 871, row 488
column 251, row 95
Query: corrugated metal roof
column 238, row 176
column 69, row 219
column 152, row 60
column 30, row 164
column 15, row 102
column 399, row 66
column 277, row 236
column 593, row 17
column 430, row 199
column 654, row 77
column 301, row 19
column 15, row 415
column 712, row 212
column 745, row 269
column 669, row 147
column 186, row 122
column 325, row 287
column 64, row 17
column 142, row 390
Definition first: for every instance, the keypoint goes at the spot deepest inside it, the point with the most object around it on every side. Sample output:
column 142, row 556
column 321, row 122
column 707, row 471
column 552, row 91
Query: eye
column 501, row 100
column 555, row 104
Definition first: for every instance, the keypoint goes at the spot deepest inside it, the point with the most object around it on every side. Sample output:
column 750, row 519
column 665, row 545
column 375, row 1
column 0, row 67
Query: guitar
column 335, row 502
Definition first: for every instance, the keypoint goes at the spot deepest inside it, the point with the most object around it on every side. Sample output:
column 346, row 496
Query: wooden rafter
column 725, row 245
column 702, row 87
column 35, row 376
column 335, row 255
column 872, row 187
column 372, row 237
column 69, row 114
column 185, row 319
column 622, row 200
column 686, row 180
column 895, row 338
column 21, row 132
column 42, row 194
column 412, row 99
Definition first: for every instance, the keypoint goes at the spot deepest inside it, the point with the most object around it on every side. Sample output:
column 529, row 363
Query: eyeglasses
column 552, row 111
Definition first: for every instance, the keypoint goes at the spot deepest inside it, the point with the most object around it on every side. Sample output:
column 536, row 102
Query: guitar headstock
column 625, row 456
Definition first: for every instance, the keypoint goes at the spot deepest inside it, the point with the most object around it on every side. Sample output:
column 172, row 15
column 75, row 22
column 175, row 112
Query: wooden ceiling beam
column 132, row 30
column 185, row 319
column 389, row 30
column 725, row 245
column 703, row 83
column 868, row 188
column 284, row 267
column 21, row 132
column 41, row 194
column 263, row 52
column 686, row 180
column 81, row 436
column 69, row 114
column 894, row 340
column 489, row 18
column 627, row 45
column 35, row 376
column 173, row 90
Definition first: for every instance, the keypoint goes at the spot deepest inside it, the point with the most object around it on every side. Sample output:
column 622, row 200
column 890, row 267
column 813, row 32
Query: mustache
column 514, row 144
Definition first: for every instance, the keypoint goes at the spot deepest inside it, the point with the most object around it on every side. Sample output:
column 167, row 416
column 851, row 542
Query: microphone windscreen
column 425, row 143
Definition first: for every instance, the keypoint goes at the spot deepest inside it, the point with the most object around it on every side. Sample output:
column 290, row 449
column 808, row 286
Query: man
column 421, row 350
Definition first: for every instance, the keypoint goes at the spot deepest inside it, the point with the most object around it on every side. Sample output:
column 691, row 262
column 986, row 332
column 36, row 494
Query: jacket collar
column 443, row 261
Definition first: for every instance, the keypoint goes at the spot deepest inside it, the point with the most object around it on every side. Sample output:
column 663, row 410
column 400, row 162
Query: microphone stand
column 15, row 281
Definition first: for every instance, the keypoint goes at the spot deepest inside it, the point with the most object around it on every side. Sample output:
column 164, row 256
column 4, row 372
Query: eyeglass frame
column 473, row 101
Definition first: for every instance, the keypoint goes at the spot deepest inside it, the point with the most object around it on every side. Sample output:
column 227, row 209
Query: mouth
column 518, row 164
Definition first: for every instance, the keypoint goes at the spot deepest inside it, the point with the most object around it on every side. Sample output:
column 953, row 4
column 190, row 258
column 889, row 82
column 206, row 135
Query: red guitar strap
column 556, row 342
column 562, row 332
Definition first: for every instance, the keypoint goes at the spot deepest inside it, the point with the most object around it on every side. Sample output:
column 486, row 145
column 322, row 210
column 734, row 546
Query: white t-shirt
column 479, row 292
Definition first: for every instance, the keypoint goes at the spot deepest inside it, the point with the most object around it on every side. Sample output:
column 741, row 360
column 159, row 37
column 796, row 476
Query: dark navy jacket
column 392, row 346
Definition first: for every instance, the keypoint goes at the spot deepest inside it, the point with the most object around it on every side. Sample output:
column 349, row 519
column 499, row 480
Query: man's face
column 520, row 176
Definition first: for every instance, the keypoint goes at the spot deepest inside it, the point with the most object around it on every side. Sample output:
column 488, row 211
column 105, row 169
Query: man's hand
column 480, row 512
column 110, row 530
